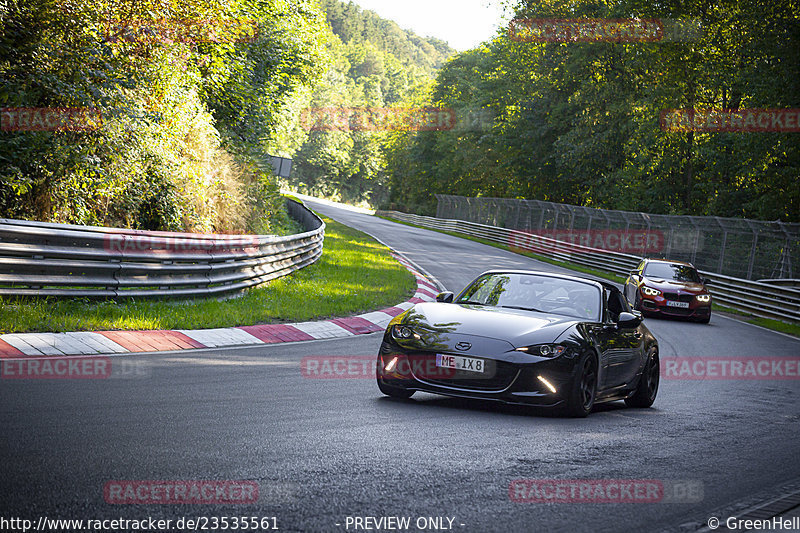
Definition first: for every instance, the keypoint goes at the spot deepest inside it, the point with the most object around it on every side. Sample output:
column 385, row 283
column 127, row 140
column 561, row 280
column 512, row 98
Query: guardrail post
column 696, row 244
column 722, row 249
column 752, row 256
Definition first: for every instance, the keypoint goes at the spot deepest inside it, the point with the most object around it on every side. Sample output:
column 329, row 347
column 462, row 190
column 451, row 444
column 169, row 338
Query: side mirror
column 638, row 314
column 634, row 273
column 445, row 297
column 628, row 321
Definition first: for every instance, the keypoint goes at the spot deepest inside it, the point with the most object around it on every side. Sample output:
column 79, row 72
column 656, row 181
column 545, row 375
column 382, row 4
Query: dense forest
column 191, row 97
column 579, row 122
column 352, row 24
column 374, row 65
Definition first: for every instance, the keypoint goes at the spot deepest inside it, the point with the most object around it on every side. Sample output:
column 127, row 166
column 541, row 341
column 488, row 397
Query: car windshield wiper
column 523, row 308
column 470, row 302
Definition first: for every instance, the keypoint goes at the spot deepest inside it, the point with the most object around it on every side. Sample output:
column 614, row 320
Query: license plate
column 459, row 362
column 684, row 305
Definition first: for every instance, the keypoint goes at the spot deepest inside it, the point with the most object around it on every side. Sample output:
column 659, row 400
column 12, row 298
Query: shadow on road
column 427, row 403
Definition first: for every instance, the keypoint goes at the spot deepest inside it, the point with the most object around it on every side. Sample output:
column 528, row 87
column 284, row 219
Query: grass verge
column 355, row 274
column 775, row 325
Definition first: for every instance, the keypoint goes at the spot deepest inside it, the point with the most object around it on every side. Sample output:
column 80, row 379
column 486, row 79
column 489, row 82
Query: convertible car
column 522, row 337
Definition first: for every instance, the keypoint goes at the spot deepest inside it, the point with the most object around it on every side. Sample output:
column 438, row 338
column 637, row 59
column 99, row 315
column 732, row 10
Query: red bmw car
column 669, row 288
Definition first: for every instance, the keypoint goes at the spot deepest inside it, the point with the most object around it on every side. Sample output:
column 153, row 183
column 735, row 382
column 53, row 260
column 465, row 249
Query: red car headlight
column 647, row 291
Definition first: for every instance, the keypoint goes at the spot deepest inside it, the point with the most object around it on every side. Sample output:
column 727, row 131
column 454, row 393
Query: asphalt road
column 323, row 450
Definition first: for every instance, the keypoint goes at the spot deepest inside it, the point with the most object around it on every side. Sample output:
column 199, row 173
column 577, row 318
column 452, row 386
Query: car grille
column 498, row 375
column 675, row 297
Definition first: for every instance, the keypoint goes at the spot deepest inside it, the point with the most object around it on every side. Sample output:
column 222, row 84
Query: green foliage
column 191, row 94
column 373, row 64
column 579, row 122
column 188, row 121
column 352, row 24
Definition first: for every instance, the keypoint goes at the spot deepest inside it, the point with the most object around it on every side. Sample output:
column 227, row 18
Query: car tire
column 395, row 392
column 705, row 320
column 647, row 389
column 388, row 390
column 584, row 388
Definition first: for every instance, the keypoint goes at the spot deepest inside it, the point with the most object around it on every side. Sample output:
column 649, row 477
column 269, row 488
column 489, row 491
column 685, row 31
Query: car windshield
column 535, row 293
column 672, row 271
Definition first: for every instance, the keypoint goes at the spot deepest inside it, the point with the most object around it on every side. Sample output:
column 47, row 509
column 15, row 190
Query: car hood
column 673, row 285
column 445, row 325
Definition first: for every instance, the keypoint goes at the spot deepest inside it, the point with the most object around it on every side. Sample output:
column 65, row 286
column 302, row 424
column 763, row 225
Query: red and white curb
column 121, row 342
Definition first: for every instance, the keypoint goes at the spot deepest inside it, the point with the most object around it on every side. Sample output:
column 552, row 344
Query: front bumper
column 658, row 305
column 511, row 378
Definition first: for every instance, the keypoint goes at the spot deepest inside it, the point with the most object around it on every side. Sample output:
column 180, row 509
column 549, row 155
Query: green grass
column 776, row 325
column 355, row 274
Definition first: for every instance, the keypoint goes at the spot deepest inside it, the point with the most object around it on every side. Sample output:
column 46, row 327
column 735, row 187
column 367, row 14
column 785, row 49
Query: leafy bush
column 186, row 120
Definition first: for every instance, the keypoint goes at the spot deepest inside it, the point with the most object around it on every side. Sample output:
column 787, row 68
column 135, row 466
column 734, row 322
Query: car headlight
column 401, row 332
column 650, row 292
column 544, row 350
column 704, row 298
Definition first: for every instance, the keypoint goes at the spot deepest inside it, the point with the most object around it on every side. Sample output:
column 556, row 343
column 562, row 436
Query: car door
column 620, row 347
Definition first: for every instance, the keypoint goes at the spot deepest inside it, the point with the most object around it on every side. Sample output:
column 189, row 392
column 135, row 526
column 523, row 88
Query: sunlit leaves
column 180, row 84
column 579, row 122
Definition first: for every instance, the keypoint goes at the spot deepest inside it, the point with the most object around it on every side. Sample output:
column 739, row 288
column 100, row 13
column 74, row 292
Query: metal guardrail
column 754, row 297
column 45, row 259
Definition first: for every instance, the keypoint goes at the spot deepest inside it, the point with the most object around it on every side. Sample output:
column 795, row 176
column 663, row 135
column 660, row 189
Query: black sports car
column 523, row 337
